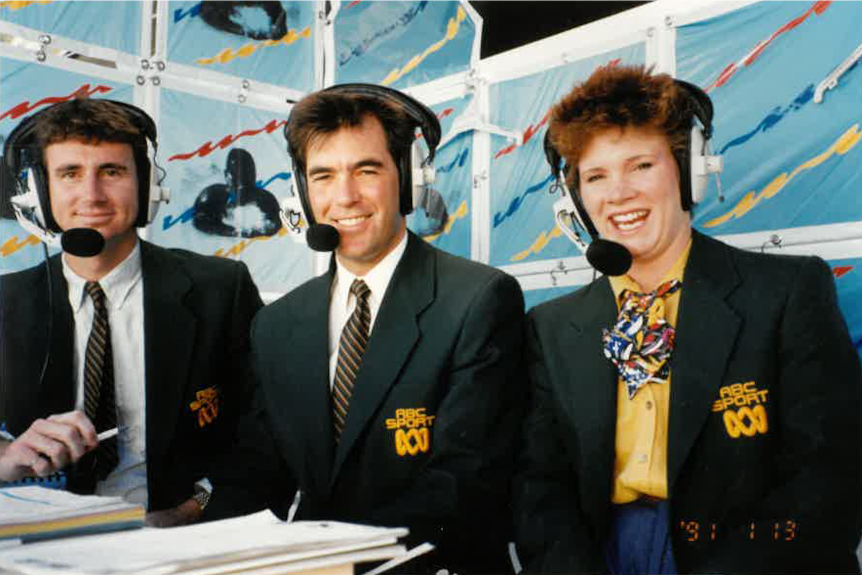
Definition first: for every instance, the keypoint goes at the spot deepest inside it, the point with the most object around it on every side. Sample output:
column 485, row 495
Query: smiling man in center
column 387, row 389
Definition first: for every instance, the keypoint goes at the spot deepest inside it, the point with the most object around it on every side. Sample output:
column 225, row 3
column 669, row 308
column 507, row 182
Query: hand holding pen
column 49, row 445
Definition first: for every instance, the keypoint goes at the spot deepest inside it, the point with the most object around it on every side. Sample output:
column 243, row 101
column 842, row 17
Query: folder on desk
column 33, row 513
column 259, row 543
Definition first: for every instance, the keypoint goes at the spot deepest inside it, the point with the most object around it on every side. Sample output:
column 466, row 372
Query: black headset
column 23, row 161
column 409, row 163
column 695, row 164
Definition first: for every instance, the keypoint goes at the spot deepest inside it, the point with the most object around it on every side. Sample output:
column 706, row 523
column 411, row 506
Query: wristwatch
column 201, row 497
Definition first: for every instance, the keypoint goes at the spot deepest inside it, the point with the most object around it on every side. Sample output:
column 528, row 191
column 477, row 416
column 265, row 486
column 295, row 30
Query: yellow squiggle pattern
column 461, row 212
column 18, row 4
column 842, row 145
column 451, row 31
column 543, row 240
column 229, row 54
column 240, row 247
column 12, row 245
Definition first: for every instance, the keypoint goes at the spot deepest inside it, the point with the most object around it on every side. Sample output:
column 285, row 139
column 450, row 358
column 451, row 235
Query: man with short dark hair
column 148, row 340
column 388, row 389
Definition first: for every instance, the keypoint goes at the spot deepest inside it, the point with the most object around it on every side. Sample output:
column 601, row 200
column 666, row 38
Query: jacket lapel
column 306, row 397
column 592, row 400
column 169, row 335
column 393, row 337
column 706, row 331
column 58, row 386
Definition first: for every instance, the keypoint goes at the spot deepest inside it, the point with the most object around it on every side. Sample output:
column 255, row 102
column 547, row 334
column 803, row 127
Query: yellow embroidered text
column 411, row 427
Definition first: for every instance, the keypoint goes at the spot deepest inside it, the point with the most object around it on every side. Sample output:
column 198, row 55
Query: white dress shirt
column 124, row 293
column 342, row 302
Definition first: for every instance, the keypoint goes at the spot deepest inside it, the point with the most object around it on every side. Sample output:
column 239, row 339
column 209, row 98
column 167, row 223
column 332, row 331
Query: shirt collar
column 377, row 279
column 117, row 284
column 620, row 283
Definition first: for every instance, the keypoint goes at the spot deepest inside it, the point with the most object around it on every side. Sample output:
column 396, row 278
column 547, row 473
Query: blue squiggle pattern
column 365, row 44
column 516, row 203
column 279, row 176
column 179, row 13
column 460, row 160
column 185, row 217
column 775, row 116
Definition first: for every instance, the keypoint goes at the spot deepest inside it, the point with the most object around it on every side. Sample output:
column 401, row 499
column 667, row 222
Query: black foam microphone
column 82, row 242
column 609, row 258
column 322, row 237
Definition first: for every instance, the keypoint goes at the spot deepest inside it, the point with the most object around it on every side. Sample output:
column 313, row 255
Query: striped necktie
column 99, row 400
column 354, row 339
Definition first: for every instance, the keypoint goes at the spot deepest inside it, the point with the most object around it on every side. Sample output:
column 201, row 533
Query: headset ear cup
column 302, row 192
column 554, row 158
column 693, row 183
column 585, row 220
column 697, row 184
column 146, row 194
column 37, row 181
column 405, row 178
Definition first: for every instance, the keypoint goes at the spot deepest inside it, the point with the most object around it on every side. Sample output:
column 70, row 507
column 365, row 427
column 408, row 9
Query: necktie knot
column 94, row 290
column 640, row 343
column 359, row 289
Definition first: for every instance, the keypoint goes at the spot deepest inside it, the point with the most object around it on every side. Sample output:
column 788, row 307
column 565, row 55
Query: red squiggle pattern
column 816, row 8
column 24, row 107
column 839, row 271
column 209, row 147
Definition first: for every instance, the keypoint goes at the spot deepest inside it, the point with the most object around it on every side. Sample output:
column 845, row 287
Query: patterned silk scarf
column 641, row 342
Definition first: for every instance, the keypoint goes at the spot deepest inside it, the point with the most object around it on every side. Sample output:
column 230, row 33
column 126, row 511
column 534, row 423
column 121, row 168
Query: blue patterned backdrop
column 401, row 44
column 81, row 21
column 199, row 136
column 452, row 186
column 246, row 41
column 788, row 161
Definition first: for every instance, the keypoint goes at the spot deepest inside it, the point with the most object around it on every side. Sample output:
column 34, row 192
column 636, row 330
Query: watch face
column 202, row 497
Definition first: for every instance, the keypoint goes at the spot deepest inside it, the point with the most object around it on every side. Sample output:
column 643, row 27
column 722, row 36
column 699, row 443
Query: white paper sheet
column 160, row 551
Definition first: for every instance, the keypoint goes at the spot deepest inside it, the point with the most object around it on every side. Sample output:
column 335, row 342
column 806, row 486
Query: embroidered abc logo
column 206, row 404
column 746, row 420
column 412, row 433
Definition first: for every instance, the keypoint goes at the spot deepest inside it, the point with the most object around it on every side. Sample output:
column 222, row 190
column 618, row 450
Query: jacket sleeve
column 244, row 477
column 251, row 475
column 551, row 531
column 246, row 303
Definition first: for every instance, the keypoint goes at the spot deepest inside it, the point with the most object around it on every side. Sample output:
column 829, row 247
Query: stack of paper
column 258, row 543
column 32, row 513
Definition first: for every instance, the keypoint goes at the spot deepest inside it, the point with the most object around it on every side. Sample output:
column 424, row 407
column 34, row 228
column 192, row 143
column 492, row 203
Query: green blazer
column 197, row 311
column 428, row 439
column 774, row 488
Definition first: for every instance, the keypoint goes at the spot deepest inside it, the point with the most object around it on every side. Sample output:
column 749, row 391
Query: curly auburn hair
column 619, row 97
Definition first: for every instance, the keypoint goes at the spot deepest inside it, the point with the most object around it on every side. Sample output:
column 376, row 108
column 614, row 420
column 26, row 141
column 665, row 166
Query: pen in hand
column 109, row 433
